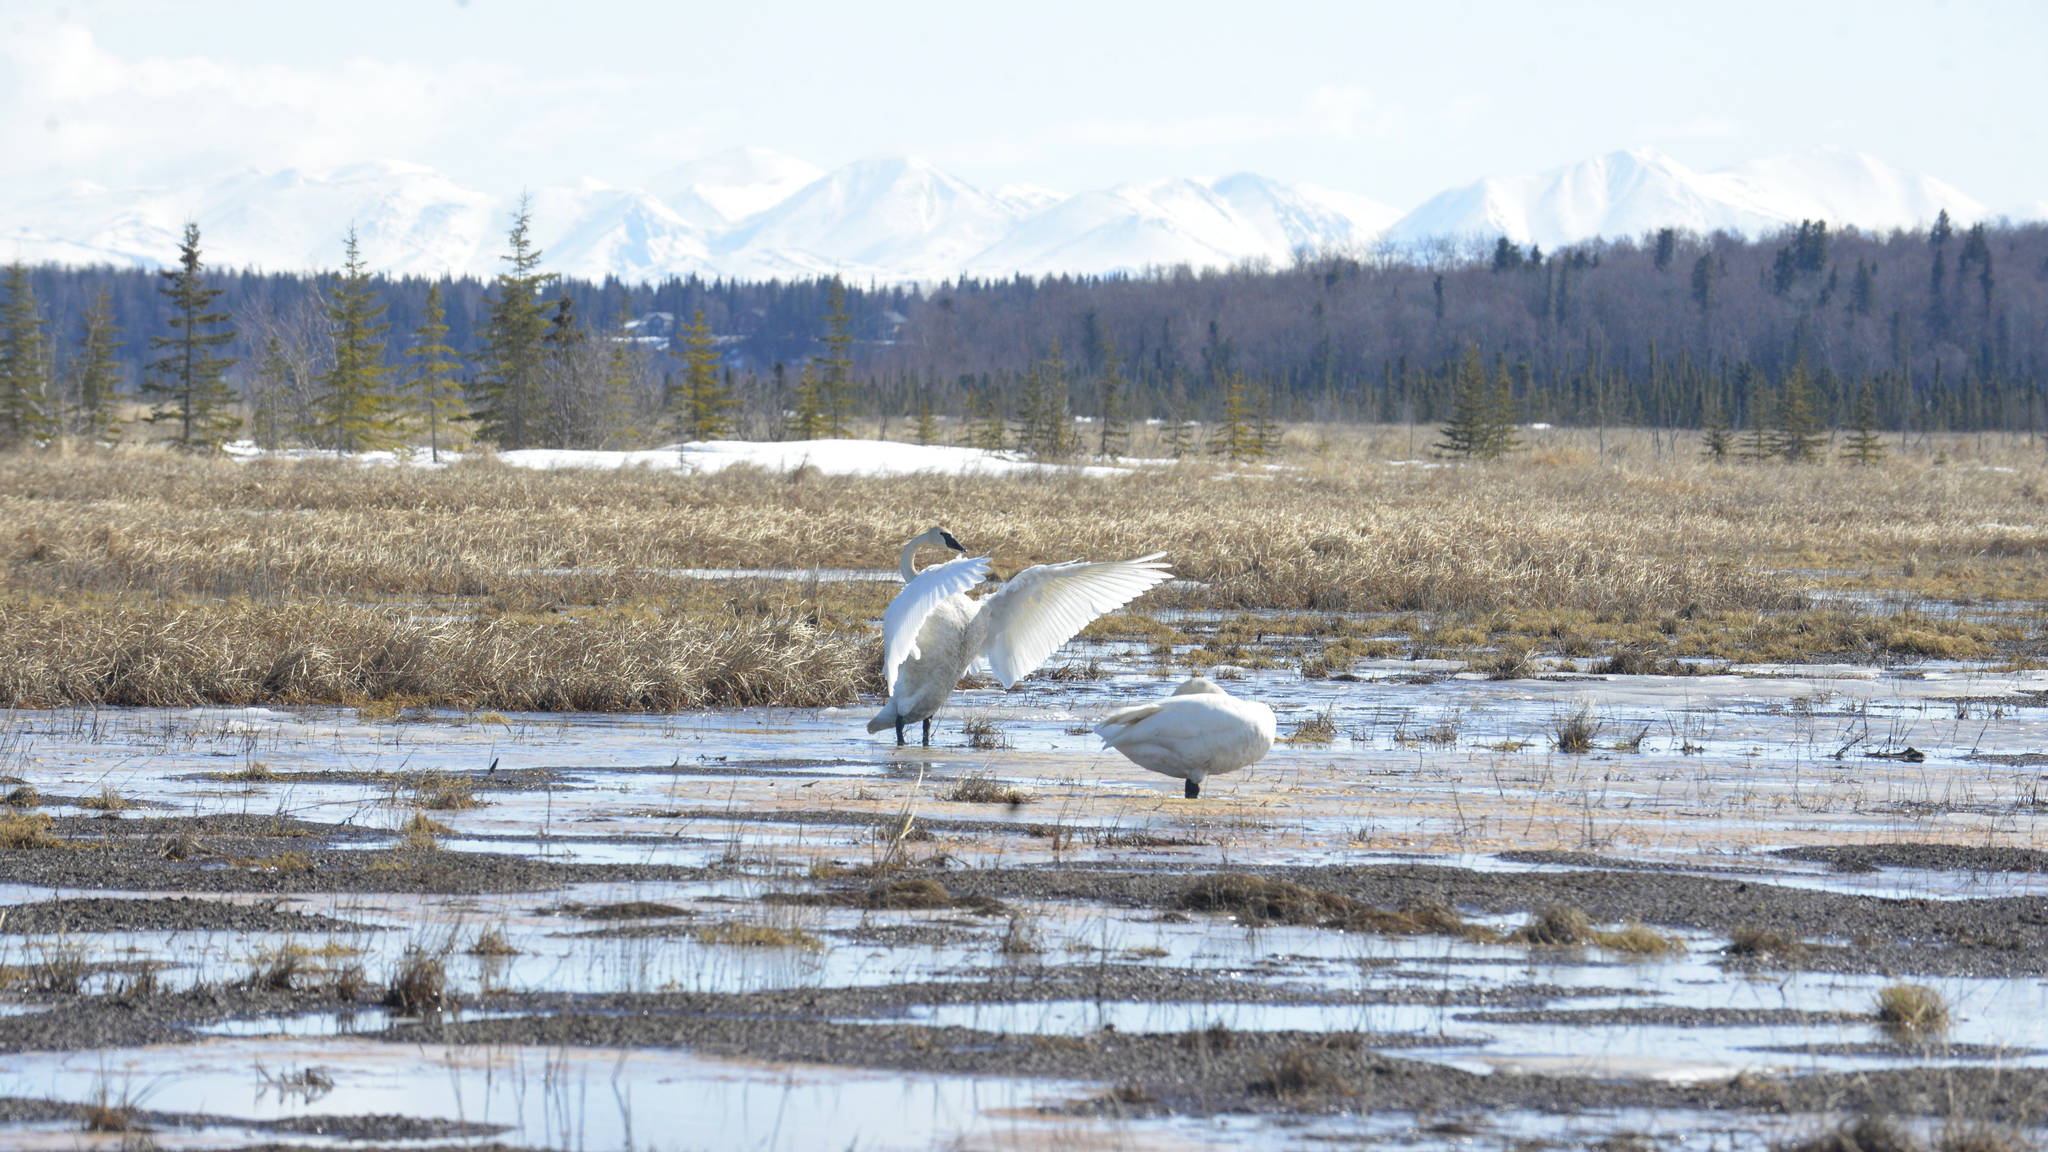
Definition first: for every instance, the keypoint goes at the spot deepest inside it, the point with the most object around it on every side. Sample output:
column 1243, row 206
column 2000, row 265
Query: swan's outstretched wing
column 906, row 614
column 1043, row 607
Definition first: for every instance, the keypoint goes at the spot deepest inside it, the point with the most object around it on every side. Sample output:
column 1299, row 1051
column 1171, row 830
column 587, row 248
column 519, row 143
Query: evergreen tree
column 509, row 400
column 811, row 422
column 1045, row 426
column 986, row 427
column 708, row 404
column 836, row 367
column 1180, row 430
column 1703, row 281
column 1864, row 445
column 1115, row 432
column 1863, row 293
column 357, row 412
column 1472, row 431
column 1500, row 433
column 189, row 380
column 925, row 423
column 1715, row 438
column 1237, row 435
column 1798, row 429
column 1667, row 247
column 434, row 365
column 267, row 419
column 95, row 373
column 26, row 409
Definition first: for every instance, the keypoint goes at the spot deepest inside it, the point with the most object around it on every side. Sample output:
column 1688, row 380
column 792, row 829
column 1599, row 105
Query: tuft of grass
column 1764, row 942
column 627, row 910
column 752, row 934
column 281, row 862
column 907, row 892
column 1575, row 733
column 20, row 831
column 1298, row 1072
column 420, row 985
column 1862, row 1134
column 1020, row 939
column 1638, row 940
column 1318, row 728
column 492, row 942
column 421, row 833
column 985, row 788
column 443, row 792
column 108, row 802
column 984, row 734
column 23, row 796
column 1912, row 1011
column 255, row 771
column 181, row 845
column 1559, row 926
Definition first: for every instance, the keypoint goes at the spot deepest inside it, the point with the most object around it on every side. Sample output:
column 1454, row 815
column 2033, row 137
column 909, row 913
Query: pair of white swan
column 932, row 633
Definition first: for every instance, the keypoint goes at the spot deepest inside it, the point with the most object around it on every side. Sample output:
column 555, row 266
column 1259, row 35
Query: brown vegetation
column 139, row 577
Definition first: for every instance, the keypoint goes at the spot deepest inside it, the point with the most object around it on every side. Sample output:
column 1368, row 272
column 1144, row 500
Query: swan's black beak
column 946, row 538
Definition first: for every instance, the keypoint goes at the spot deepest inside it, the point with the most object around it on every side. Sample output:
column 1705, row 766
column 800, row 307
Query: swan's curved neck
column 909, row 550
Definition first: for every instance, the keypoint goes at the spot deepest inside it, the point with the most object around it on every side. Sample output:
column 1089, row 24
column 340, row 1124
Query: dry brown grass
column 1912, row 1011
column 985, row 788
column 752, row 934
column 21, row 830
column 143, row 577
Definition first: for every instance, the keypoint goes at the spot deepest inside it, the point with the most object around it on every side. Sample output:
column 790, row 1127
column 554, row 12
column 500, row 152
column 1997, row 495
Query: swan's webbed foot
column 1193, row 788
column 927, row 731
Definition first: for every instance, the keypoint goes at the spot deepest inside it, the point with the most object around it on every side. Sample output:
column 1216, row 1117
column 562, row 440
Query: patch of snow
column 831, row 457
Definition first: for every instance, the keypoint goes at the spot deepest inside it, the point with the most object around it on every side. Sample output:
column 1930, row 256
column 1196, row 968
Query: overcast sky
column 1393, row 101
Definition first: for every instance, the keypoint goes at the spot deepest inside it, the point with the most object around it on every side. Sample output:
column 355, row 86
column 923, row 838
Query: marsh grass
column 1257, row 900
column 491, row 942
column 28, row 830
column 151, row 578
column 23, row 796
column 1317, row 728
column 985, row 788
column 107, row 803
column 1575, row 733
column 421, row 833
column 1568, row 926
column 1912, row 1011
column 983, row 733
column 1749, row 941
column 419, row 985
column 753, row 934
column 444, row 792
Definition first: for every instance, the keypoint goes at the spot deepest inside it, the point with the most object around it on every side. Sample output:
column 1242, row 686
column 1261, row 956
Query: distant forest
column 1947, row 329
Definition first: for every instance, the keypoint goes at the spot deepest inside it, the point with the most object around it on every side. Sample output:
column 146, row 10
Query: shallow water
column 1711, row 774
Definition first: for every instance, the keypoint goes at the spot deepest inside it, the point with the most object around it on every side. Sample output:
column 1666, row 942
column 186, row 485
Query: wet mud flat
column 1424, row 927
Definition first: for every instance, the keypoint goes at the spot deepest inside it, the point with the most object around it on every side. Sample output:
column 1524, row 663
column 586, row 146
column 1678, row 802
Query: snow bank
column 831, row 457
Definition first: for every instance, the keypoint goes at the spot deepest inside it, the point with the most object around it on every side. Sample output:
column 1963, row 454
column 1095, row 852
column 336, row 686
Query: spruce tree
column 1500, row 432
column 811, row 419
column 95, row 372
column 835, row 379
column 509, row 400
column 1236, row 435
column 1715, row 438
column 986, row 426
column 267, row 423
column 357, row 412
column 26, row 411
column 1180, row 429
column 1470, row 433
column 1798, row 428
column 1864, row 444
column 434, row 388
column 707, row 403
column 1114, row 437
column 925, row 423
column 189, row 380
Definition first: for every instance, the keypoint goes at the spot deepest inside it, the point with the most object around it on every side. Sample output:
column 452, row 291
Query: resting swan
column 932, row 632
column 1199, row 731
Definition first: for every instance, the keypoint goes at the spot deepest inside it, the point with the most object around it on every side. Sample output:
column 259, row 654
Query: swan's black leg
column 927, row 731
column 1193, row 789
column 899, row 733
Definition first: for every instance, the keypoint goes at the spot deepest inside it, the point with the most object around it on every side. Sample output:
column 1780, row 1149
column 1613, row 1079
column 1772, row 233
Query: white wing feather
column 1042, row 607
column 906, row 614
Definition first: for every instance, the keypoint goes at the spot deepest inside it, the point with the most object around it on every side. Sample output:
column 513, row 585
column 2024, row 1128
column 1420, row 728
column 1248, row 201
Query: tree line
column 1940, row 329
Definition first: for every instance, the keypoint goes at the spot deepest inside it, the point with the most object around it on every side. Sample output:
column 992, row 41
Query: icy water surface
column 756, row 810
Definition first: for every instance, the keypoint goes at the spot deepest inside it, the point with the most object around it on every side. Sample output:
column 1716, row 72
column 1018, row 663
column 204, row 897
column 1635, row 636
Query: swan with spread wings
column 933, row 631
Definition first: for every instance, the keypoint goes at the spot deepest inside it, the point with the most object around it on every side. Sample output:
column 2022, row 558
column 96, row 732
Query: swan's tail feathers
column 1113, row 726
column 885, row 719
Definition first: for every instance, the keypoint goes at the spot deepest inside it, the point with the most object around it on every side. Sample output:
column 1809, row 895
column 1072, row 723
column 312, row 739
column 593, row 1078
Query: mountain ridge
column 752, row 213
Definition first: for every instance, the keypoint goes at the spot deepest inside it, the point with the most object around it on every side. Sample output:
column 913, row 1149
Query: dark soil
column 1932, row 857
column 174, row 914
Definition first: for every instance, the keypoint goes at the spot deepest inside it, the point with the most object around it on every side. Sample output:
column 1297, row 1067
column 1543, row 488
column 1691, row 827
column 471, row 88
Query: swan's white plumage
column 1198, row 732
column 1043, row 607
column 907, row 613
column 933, row 632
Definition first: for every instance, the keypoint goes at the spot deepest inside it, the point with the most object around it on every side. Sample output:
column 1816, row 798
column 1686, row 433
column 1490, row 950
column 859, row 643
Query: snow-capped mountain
column 894, row 218
column 1639, row 190
column 753, row 213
